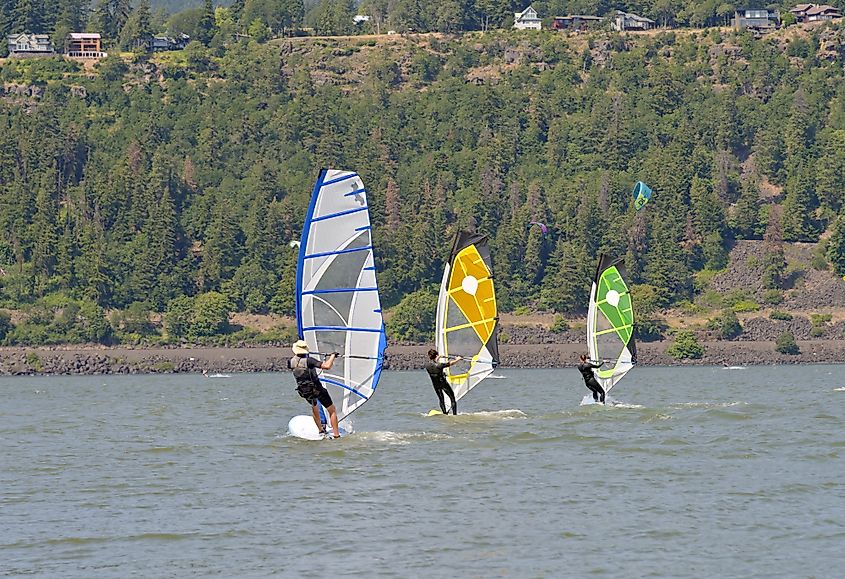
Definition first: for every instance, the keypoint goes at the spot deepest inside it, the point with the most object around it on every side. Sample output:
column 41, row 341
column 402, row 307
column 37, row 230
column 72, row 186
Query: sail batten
column 467, row 317
column 337, row 300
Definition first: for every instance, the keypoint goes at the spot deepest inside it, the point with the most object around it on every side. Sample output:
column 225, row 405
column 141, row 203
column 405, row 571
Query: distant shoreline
column 96, row 360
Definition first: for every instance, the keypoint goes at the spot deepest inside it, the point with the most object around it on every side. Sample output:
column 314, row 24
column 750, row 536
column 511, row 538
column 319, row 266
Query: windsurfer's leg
column 326, row 400
column 601, row 390
column 315, row 413
column 441, row 399
column 451, row 394
column 333, row 420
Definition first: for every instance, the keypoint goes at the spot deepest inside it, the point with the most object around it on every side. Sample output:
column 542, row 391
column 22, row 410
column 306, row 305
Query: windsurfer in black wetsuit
column 308, row 384
column 586, row 368
column 438, row 379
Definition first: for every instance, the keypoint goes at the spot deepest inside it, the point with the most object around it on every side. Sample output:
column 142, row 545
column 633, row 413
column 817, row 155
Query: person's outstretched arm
column 327, row 365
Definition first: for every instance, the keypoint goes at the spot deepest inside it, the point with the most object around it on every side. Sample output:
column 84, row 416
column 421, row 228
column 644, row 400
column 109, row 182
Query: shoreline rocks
column 99, row 360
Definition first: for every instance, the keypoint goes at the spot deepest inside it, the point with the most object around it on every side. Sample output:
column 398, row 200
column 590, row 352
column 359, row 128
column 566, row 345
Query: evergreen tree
column 746, row 214
column 44, row 230
column 137, row 30
column 72, row 16
column 707, row 213
column 101, row 19
column 221, row 250
column 836, row 246
column 206, row 28
column 29, row 16
column 797, row 220
column 830, row 173
column 566, row 286
column 774, row 261
column 666, row 267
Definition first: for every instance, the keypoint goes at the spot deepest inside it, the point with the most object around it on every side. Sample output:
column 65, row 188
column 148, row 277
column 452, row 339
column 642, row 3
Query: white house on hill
column 29, row 45
column 527, row 20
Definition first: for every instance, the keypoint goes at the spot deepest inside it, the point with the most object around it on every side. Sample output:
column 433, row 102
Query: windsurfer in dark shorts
column 586, row 368
column 308, row 384
column 438, row 379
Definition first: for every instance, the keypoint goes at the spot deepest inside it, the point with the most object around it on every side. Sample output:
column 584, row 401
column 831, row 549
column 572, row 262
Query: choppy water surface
column 703, row 472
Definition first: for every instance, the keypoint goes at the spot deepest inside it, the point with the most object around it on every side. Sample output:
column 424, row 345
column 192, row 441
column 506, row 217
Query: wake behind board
column 303, row 426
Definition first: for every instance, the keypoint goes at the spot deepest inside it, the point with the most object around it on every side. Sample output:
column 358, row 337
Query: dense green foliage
column 131, row 186
column 201, row 316
column 785, row 344
column 726, row 325
column 414, row 318
column 778, row 315
column 559, row 325
column 685, row 346
column 5, row 324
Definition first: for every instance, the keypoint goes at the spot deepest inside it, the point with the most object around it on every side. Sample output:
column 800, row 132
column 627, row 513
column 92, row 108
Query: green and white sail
column 610, row 323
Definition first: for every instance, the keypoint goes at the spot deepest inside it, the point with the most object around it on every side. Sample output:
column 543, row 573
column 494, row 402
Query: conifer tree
column 206, row 28
column 566, row 287
column 798, row 207
column 836, row 246
column 774, row 260
column 44, row 229
column 745, row 218
column 29, row 16
column 137, row 29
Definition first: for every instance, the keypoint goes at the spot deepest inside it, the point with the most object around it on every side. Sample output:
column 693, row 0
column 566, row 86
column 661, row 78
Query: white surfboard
column 588, row 401
column 303, row 426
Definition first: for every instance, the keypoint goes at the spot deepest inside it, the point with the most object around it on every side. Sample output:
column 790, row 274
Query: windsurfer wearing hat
column 308, row 384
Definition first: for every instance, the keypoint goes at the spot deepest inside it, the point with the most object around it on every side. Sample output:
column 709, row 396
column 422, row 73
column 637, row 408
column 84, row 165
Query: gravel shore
column 121, row 360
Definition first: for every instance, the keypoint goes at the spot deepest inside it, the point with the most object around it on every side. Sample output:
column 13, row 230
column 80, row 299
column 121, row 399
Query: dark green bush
column 413, row 319
column 785, row 344
column 773, row 296
column 685, row 346
column 559, row 325
column 778, row 315
column 727, row 325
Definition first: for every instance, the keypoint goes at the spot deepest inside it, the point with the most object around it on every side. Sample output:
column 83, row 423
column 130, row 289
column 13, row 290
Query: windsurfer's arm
column 327, row 365
column 456, row 360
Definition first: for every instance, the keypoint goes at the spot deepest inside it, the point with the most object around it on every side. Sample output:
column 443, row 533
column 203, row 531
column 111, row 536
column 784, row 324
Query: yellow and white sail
column 467, row 318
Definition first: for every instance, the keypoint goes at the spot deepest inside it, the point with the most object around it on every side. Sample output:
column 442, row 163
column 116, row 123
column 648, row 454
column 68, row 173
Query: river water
column 701, row 472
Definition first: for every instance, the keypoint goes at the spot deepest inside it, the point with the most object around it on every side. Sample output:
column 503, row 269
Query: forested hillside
column 175, row 184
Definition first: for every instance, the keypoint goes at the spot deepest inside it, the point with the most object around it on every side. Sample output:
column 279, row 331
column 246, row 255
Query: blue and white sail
column 337, row 299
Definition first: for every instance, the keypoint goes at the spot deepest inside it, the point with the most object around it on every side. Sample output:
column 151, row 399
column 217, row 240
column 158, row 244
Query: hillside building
column 815, row 13
column 627, row 21
column 162, row 43
column 527, row 20
column 759, row 20
column 84, row 45
column 26, row 45
column 576, row 22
